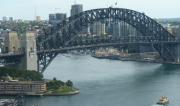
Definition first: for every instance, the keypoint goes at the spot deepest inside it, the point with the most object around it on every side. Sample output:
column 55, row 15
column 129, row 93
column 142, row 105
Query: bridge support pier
column 29, row 61
column 170, row 52
column 177, row 51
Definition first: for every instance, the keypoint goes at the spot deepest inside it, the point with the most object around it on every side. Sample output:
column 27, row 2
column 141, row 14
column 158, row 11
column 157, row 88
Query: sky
column 28, row 9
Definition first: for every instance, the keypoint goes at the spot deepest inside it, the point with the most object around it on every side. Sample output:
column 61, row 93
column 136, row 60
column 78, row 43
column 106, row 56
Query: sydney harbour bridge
column 65, row 36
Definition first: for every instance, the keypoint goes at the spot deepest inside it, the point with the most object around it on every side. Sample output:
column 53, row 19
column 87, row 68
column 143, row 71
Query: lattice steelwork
column 65, row 34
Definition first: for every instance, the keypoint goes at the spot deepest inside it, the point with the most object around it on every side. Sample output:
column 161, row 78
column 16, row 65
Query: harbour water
column 104, row 82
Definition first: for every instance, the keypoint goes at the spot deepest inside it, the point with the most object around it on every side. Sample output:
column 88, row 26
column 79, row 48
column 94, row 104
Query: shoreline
column 58, row 92
column 64, row 94
column 115, row 57
column 45, row 94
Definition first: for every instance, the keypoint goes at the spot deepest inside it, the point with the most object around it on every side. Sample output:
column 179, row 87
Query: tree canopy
column 22, row 75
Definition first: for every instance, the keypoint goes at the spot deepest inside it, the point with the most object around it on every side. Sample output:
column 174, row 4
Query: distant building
column 56, row 18
column 116, row 29
column 60, row 16
column 121, row 28
column 10, row 19
column 52, row 17
column 38, row 18
column 76, row 9
column 3, row 34
column 99, row 29
column 109, row 27
column 4, row 19
column 174, row 31
column 22, row 87
column 85, row 31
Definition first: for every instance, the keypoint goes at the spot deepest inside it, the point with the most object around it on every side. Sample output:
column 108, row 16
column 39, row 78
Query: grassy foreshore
column 62, row 91
column 59, row 88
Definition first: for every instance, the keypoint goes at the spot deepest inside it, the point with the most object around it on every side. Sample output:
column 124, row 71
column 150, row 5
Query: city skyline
column 22, row 9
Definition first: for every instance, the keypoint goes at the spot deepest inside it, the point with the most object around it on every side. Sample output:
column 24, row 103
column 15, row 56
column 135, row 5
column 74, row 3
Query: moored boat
column 163, row 101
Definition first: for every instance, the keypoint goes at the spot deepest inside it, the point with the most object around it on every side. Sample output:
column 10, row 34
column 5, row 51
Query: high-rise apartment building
column 76, row 9
column 4, row 19
column 116, row 28
column 52, row 17
column 56, row 18
column 10, row 19
column 60, row 16
column 99, row 29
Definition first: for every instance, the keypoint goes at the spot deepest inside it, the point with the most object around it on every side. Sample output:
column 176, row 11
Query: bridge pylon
column 29, row 61
column 177, row 51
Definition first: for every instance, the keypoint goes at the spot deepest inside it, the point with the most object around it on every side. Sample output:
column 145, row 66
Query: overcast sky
column 25, row 9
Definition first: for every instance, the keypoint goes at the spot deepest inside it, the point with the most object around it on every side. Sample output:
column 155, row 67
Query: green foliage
column 64, row 89
column 22, row 75
column 54, row 79
column 59, row 87
column 55, row 84
column 21, row 26
column 69, row 83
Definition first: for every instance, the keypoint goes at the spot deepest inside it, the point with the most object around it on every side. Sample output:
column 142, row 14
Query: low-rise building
column 22, row 87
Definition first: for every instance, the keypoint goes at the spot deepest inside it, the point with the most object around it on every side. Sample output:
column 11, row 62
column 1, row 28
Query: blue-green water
column 112, row 83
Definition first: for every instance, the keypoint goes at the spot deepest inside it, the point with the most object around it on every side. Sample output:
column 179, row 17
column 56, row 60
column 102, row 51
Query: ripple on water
column 105, row 82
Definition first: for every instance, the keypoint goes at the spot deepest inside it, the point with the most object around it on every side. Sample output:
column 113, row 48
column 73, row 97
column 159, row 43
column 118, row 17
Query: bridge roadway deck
column 102, row 45
column 11, row 55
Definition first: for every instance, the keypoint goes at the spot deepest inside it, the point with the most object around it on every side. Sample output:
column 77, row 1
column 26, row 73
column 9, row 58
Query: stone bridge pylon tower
column 28, row 44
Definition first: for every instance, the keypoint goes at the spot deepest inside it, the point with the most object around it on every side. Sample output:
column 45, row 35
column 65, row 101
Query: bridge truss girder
column 66, row 32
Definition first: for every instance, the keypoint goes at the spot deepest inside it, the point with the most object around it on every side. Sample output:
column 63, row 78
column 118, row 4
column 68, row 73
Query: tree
column 21, row 74
column 54, row 79
column 69, row 83
column 55, row 84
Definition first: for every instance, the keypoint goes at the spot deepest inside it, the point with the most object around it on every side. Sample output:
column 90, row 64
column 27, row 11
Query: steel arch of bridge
column 65, row 31
column 143, row 23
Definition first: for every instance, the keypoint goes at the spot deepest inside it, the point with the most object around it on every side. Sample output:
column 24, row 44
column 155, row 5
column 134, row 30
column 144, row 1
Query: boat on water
column 157, row 105
column 7, row 102
column 163, row 101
